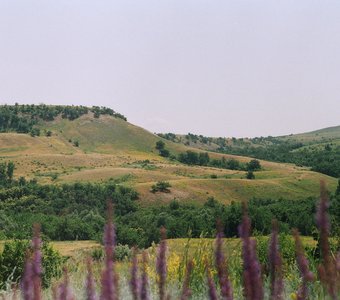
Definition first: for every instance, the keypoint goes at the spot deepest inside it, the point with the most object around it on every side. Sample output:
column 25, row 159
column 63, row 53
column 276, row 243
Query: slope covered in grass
column 103, row 148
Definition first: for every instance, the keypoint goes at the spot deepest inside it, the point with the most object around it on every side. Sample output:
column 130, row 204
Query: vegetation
column 193, row 158
column 321, row 154
column 76, row 212
column 161, row 186
column 278, row 266
column 12, row 262
column 25, row 118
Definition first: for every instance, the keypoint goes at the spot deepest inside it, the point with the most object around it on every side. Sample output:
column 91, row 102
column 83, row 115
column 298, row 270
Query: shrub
column 161, row 186
column 164, row 152
column 97, row 254
column 12, row 261
column 122, row 252
column 160, row 145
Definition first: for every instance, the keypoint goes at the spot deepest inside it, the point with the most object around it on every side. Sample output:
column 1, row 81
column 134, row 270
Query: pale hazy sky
column 219, row 68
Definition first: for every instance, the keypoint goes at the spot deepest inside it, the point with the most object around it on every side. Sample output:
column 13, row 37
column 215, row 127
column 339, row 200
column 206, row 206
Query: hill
column 319, row 150
column 98, row 147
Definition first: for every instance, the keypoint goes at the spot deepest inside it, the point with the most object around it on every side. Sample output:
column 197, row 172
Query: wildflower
column 31, row 282
column 63, row 291
column 327, row 270
column 90, row 283
column 109, row 279
column 186, row 292
column 134, row 282
column 221, row 265
column 253, row 287
column 275, row 265
column 161, row 265
column 211, row 285
column 303, row 265
column 144, row 290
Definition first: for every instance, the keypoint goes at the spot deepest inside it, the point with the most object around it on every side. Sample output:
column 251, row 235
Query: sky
column 212, row 67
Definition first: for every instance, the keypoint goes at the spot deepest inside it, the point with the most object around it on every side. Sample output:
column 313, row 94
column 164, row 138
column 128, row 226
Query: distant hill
column 98, row 144
column 319, row 150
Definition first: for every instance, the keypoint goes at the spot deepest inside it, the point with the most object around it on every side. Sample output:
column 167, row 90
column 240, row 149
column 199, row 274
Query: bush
column 122, row 252
column 164, row 152
column 161, row 186
column 12, row 262
column 160, row 145
column 97, row 254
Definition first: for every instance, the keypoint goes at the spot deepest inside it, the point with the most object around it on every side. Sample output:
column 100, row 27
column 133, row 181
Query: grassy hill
column 319, row 150
column 105, row 147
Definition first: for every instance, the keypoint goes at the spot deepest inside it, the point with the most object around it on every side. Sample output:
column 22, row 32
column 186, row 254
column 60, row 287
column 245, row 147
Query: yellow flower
column 293, row 296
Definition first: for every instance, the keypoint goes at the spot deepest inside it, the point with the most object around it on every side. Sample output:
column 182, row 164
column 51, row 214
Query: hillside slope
column 106, row 147
column 319, row 150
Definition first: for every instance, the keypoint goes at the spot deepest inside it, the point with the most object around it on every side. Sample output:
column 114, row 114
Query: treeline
column 203, row 159
column 24, row 118
column 320, row 157
column 65, row 212
column 77, row 212
column 183, row 220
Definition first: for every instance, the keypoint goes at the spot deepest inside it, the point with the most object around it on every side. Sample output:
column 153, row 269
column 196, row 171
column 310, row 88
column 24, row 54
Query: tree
column 253, row 165
column 337, row 192
column 250, row 175
column 164, row 152
column 3, row 172
column 160, row 145
column 10, row 170
column 203, row 159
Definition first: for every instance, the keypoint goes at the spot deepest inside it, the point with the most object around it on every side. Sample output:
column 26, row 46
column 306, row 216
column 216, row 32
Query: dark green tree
column 160, row 145
column 10, row 170
column 250, row 175
column 253, row 165
column 337, row 192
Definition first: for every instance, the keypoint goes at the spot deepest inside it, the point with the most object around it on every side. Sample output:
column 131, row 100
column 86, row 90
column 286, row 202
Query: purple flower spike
column 109, row 280
column 338, row 262
column 327, row 270
column 31, row 282
column 303, row 265
column 275, row 265
column 252, row 281
column 134, row 281
column 26, row 282
column 161, row 265
column 63, row 291
column 221, row 265
column 144, row 289
column 37, row 269
column 186, row 292
column 90, row 283
column 212, row 293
